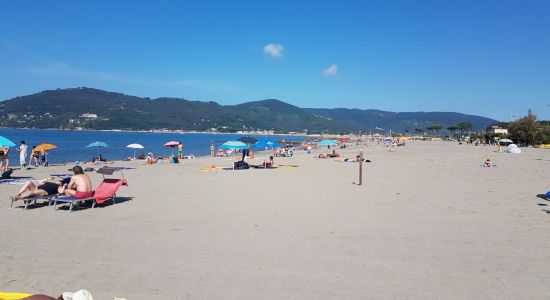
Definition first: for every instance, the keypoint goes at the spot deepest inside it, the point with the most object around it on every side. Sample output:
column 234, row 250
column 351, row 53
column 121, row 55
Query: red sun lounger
column 105, row 190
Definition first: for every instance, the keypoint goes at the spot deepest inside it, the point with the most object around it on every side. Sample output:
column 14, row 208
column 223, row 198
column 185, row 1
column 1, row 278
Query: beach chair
column 32, row 200
column 105, row 190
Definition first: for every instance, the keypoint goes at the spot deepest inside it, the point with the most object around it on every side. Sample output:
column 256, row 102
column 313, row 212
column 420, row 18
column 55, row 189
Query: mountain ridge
column 91, row 108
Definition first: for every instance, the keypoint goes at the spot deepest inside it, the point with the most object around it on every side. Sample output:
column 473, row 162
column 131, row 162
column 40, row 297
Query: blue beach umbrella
column 234, row 145
column 97, row 144
column 267, row 143
column 4, row 142
column 327, row 143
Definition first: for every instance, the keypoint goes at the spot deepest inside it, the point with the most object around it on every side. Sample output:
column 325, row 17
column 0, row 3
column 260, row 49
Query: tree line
column 525, row 131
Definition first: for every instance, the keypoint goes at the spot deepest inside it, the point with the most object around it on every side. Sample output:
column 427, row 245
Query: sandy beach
column 428, row 223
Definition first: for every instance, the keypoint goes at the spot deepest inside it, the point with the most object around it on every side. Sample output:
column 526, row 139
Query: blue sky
column 489, row 58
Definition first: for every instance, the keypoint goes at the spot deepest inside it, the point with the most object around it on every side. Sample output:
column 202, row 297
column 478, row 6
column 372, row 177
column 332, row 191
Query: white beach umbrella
column 506, row 142
column 135, row 146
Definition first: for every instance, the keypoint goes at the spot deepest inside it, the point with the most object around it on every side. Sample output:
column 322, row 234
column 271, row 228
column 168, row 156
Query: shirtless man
column 80, row 185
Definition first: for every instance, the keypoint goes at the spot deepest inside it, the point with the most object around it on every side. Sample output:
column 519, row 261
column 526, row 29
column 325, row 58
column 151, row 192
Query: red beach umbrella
column 172, row 144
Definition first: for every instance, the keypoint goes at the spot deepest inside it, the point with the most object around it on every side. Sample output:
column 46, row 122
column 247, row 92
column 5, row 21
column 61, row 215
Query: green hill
column 90, row 108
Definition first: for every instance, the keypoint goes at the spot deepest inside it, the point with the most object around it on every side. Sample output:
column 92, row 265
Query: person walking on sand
column 212, row 149
column 80, row 185
column 4, row 157
column 34, row 157
column 22, row 154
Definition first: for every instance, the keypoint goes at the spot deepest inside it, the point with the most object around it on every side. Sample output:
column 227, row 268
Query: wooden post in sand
column 361, row 168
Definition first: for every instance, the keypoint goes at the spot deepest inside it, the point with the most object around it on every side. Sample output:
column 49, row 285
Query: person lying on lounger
column 46, row 187
column 334, row 154
column 80, row 185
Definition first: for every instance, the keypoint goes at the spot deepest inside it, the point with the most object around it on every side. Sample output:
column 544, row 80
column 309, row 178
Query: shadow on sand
column 88, row 204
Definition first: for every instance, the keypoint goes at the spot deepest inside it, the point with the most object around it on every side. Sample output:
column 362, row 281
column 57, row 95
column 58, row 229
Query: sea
column 71, row 145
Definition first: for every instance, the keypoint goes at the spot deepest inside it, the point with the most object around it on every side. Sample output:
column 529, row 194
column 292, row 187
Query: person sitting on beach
column 487, row 163
column 44, row 158
column 150, row 159
column 46, row 187
column 80, row 185
column 266, row 164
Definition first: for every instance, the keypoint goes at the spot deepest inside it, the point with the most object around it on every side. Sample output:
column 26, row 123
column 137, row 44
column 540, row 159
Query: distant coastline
column 89, row 108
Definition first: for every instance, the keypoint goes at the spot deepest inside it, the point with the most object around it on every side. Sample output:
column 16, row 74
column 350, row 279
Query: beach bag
column 241, row 165
column 7, row 174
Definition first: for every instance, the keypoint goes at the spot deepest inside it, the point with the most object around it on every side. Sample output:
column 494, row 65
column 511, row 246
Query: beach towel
column 6, row 174
column 13, row 296
column 19, row 180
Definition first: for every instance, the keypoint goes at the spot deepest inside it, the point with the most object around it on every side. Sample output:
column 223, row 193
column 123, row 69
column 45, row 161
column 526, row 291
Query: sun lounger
column 32, row 200
column 105, row 190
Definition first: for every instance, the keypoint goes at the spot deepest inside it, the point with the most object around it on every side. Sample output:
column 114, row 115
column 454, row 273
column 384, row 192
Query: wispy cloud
column 274, row 50
column 331, row 71
column 43, row 66
column 62, row 69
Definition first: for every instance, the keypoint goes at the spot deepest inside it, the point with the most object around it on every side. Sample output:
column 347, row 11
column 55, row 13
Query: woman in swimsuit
column 45, row 187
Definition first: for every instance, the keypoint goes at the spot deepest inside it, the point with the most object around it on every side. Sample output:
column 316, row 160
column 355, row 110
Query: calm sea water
column 72, row 144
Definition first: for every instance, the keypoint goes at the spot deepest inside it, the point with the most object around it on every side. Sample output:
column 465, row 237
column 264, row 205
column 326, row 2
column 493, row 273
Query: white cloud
column 274, row 50
column 331, row 71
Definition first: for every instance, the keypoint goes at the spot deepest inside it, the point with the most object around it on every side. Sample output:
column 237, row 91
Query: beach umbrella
column 172, row 144
column 45, row 147
column 4, row 142
column 327, row 143
column 234, row 145
column 97, row 144
column 506, row 142
column 135, row 146
column 388, row 139
column 247, row 140
column 266, row 143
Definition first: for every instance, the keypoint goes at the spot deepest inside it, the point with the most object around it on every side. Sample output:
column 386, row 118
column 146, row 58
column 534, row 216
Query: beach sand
column 427, row 223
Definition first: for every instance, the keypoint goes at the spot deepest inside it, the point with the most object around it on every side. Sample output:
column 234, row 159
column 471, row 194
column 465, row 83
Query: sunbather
column 46, row 187
column 150, row 159
column 266, row 164
column 488, row 164
column 334, row 154
column 80, row 185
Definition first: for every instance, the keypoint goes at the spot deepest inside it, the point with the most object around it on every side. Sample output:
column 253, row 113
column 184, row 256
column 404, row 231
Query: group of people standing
column 39, row 157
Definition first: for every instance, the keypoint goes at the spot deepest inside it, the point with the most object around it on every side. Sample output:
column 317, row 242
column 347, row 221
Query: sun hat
column 78, row 295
